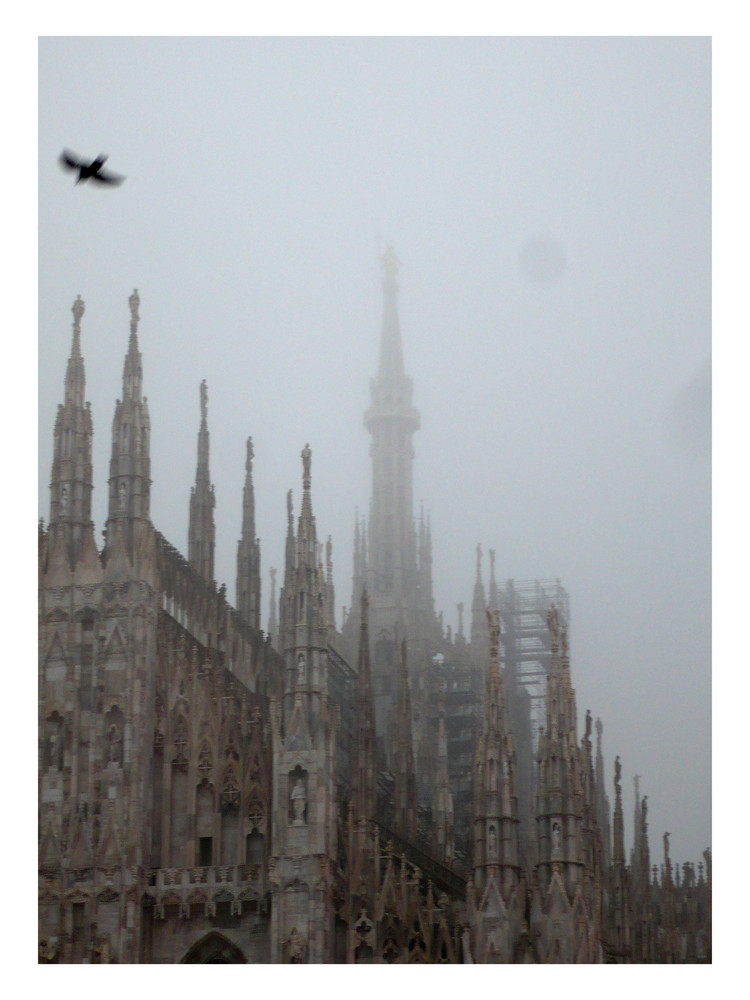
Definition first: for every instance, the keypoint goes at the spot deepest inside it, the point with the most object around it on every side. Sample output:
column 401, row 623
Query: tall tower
column 392, row 564
column 202, row 530
column 130, row 464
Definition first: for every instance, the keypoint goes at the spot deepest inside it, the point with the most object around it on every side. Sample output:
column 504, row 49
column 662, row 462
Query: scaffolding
column 523, row 609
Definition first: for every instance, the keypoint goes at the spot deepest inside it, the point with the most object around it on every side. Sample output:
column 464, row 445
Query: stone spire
column 425, row 566
column 130, row 464
column 273, row 621
column 618, row 846
column 392, row 570
column 442, row 808
column 304, row 626
column 602, row 801
column 330, row 590
column 202, row 529
column 479, row 638
column 495, row 799
column 635, row 861
column 619, row 912
column 494, row 596
column 248, row 551
column 560, row 778
column 71, row 482
column 391, row 354
column 405, row 787
column 304, row 735
column 364, row 789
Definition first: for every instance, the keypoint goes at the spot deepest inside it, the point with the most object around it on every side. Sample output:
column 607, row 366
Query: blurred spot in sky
column 691, row 413
column 542, row 260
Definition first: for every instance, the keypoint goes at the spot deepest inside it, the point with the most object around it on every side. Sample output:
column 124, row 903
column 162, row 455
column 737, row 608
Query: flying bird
column 89, row 171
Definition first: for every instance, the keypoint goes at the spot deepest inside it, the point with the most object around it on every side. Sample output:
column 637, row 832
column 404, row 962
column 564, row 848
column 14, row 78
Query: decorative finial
column 204, row 401
column 79, row 307
column 306, row 457
column 250, row 455
column 134, row 301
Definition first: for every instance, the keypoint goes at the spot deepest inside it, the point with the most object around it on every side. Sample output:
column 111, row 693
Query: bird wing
column 69, row 160
column 107, row 177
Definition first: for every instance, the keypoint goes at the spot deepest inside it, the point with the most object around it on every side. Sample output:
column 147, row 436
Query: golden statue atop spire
column 79, row 307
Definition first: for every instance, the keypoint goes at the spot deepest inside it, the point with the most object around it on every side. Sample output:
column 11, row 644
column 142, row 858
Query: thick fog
column 549, row 201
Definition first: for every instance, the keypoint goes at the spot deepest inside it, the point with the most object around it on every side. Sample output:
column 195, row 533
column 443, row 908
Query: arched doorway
column 214, row 948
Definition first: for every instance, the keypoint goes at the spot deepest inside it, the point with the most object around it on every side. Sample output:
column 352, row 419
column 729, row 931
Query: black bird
column 89, row 171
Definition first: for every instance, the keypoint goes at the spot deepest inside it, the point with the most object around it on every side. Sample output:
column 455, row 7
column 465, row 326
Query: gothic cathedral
column 386, row 792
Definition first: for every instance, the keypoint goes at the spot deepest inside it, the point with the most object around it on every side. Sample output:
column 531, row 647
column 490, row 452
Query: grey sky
column 550, row 202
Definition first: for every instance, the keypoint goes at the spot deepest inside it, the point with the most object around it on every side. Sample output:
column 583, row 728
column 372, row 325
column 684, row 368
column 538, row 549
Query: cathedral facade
column 389, row 792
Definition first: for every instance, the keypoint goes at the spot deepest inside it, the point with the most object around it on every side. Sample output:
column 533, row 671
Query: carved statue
column 299, row 801
column 588, row 725
column 644, row 810
column 553, row 622
column 492, row 840
column 618, row 771
column 556, row 838
column 329, row 551
column 114, row 745
column 52, row 750
column 301, row 668
column 666, row 846
column 289, row 506
column 78, row 310
column 102, row 951
column 123, row 496
column 306, row 457
column 250, row 455
column 564, row 640
column 297, row 947
column 47, row 950
column 64, row 500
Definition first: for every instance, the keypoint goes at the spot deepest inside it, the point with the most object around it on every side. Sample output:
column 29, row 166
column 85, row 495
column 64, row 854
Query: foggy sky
column 549, row 200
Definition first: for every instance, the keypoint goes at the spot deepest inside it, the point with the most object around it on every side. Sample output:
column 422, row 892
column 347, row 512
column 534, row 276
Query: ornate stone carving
column 297, row 947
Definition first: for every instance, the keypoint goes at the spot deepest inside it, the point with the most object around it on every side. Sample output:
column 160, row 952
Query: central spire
column 391, row 355
column 392, row 572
